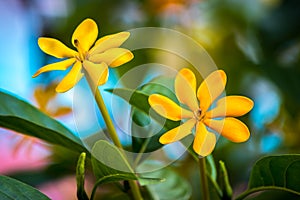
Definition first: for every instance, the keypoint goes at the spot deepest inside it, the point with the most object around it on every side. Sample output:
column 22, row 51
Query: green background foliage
column 251, row 40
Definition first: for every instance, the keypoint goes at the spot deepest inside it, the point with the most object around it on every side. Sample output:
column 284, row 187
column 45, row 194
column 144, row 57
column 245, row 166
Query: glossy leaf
column 275, row 173
column 139, row 99
column 174, row 186
column 140, row 114
column 150, row 144
column 104, row 152
column 13, row 189
column 20, row 116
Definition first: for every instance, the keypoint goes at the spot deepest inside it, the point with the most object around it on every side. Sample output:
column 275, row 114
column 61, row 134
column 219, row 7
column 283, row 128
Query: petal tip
column 59, row 90
column 223, row 75
column 184, row 70
column 126, row 34
column 162, row 140
column 35, row 75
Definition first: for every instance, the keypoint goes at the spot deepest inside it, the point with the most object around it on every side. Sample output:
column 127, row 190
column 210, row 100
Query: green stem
column 109, row 124
column 99, row 182
column 203, row 178
column 135, row 190
column 216, row 186
column 140, row 154
column 112, row 132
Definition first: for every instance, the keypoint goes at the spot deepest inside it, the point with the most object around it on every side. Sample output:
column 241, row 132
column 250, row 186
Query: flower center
column 80, row 50
column 197, row 114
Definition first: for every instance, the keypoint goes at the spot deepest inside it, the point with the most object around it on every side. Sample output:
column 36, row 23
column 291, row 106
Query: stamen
column 76, row 42
column 80, row 50
column 197, row 114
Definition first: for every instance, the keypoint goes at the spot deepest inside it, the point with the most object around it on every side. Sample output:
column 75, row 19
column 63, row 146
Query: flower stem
column 112, row 132
column 109, row 124
column 203, row 178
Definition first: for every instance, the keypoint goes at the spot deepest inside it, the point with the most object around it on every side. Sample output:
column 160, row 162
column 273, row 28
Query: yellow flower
column 43, row 97
column 201, row 113
column 93, row 61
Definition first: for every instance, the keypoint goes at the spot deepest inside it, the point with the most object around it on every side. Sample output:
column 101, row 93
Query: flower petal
column 70, row 79
column 113, row 57
column 211, row 88
column 55, row 48
column 205, row 141
column 104, row 77
column 231, row 128
column 168, row 108
column 185, row 88
column 109, row 41
column 43, row 95
column 231, row 106
column 86, row 34
column 62, row 65
column 178, row 133
column 61, row 111
column 97, row 72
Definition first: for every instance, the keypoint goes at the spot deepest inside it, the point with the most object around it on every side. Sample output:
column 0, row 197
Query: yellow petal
column 205, row 141
column 85, row 34
column 168, row 108
column 178, row 133
column 61, row 111
column 185, row 88
column 231, row 106
column 113, row 57
column 104, row 77
column 231, row 128
column 211, row 88
column 39, row 95
column 109, row 41
column 55, row 48
column 43, row 95
column 70, row 79
column 98, row 73
column 62, row 65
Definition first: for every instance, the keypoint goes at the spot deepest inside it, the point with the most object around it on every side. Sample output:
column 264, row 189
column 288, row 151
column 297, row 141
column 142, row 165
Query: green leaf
column 139, row 100
column 212, row 167
column 141, row 118
column 275, row 173
column 211, row 173
column 224, row 182
column 150, row 181
column 174, row 186
column 104, row 153
column 11, row 189
column 17, row 115
column 80, row 170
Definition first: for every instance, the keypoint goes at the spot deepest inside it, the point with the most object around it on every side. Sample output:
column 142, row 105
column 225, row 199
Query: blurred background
column 257, row 43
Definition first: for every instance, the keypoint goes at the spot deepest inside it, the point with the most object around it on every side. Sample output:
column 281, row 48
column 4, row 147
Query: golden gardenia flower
column 202, row 112
column 43, row 96
column 94, row 60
